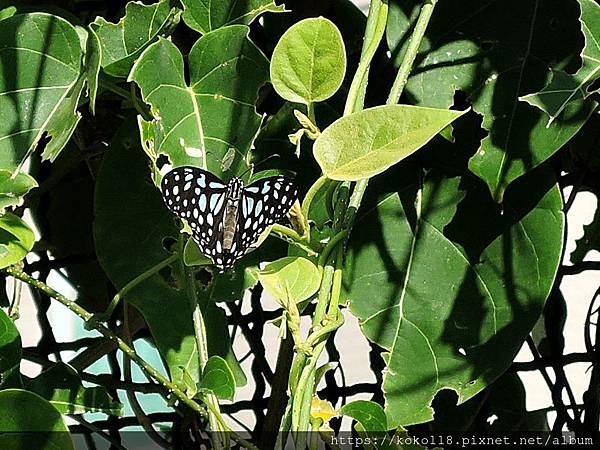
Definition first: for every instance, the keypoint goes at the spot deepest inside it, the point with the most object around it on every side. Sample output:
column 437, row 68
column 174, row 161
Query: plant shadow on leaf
column 42, row 74
column 461, row 279
column 495, row 63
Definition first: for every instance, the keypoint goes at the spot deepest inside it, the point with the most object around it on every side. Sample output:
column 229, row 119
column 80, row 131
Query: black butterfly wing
column 263, row 203
column 199, row 197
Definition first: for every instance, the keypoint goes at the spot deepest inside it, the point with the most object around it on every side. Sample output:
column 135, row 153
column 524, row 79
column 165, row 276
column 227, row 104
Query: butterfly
column 226, row 218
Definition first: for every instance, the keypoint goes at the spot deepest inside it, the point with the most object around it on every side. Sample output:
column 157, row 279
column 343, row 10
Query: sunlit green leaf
column 43, row 55
column 309, row 61
column 495, row 56
column 368, row 142
column 198, row 124
column 292, row 278
column 16, row 239
column 13, row 189
column 218, row 378
column 62, row 387
column 122, row 43
column 565, row 87
column 207, row 15
column 33, row 423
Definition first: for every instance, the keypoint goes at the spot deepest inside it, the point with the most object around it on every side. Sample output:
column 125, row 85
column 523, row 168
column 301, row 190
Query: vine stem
column 148, row 370
column 411, row 53
column 133, row 283
column 345, row 210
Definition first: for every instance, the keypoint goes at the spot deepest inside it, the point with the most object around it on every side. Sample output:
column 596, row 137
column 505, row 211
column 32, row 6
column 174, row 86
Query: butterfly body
column 226, row 218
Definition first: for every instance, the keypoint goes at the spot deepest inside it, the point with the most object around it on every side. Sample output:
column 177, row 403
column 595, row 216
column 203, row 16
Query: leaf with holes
column 494, row 63
column 42, row 54
column 368, row 142
column 13, row 189
column 309, row 61
column 119, row 45
column 443, row 311
column 124, row 179
column 205, row 16
column 566, row 88
column 197, row 125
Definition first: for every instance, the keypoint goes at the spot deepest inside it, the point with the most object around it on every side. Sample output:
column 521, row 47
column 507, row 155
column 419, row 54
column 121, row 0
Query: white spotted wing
column 263, row 203
column 201, row 199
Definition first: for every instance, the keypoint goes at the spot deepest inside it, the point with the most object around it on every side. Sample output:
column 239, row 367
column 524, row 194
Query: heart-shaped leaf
column 309, row 61
column 198, row 124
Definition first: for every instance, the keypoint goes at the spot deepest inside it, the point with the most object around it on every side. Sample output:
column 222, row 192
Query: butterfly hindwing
column 199, row 197
column 208, row 205
column 263, row 203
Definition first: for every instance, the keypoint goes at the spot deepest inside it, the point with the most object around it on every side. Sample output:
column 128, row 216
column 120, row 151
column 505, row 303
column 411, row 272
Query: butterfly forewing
column 209, row 205
column 263, row 203
column 199, row 197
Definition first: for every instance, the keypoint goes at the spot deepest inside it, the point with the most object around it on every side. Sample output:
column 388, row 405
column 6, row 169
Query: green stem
column 411, row 53
column 133, row 283
column 310, row 112
column 312, row 192
column 111, row 86
column 378, row 11
column 292, row 237
column 148, row 370
column 324, row 257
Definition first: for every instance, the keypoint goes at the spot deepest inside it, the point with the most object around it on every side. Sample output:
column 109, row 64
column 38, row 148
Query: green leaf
column 218, row 378
column 292, row 278
column 368, row 142
column 93, row 61
column 309, row 61
column 198, row 124
column 43, row 55
column 33, row 423
column 207, row 15
column 16, row 239
column 10, row 347
column 12, row 190
column 495, row 56
column 459, row 282
column 124, row 179
column 62, row 387
column 7, row 12
column 369, row 414
column 565, row 87
column 122, row 43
